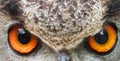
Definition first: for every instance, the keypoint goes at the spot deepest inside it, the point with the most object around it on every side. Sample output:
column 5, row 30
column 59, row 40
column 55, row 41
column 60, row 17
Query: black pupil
column 101, row 37
column 24, row 36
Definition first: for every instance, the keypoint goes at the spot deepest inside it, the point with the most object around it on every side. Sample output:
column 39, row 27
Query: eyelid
column 14, row 42
column 105, row 48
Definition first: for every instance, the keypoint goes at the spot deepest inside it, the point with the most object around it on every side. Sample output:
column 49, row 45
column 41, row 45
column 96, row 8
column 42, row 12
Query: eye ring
column 107, row 46
column 16, row 45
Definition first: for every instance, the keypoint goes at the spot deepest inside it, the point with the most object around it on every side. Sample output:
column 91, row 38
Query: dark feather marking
column 13, row 8
column 114, row 7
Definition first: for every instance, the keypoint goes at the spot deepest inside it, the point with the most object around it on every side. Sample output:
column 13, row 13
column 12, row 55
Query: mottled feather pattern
column 50, row 49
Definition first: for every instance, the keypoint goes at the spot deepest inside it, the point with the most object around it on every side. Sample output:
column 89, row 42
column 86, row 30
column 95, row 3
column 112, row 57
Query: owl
column 59, row 30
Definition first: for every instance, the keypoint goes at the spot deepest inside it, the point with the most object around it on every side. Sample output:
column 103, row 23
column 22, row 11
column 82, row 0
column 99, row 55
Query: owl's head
column 59, row 30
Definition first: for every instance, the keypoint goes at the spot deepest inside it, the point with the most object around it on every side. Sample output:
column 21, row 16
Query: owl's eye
column 104, row 41
column 21, row 40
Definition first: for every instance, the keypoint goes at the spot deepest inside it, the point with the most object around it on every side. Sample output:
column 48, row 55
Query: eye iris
column 20, row 40
column 101, row 37
column 104, row 41
column 24, row 36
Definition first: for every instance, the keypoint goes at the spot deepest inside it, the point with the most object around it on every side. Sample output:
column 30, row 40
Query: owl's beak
column 63, row 57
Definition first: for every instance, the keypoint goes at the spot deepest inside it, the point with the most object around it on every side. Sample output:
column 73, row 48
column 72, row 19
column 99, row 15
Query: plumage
column 61, row 26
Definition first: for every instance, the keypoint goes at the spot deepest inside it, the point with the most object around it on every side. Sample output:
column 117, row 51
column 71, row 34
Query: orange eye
column 105, row 40
column 21, row 40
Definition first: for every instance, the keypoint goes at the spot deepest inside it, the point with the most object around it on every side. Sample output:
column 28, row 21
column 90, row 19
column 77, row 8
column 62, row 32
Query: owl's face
column 59, row 30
